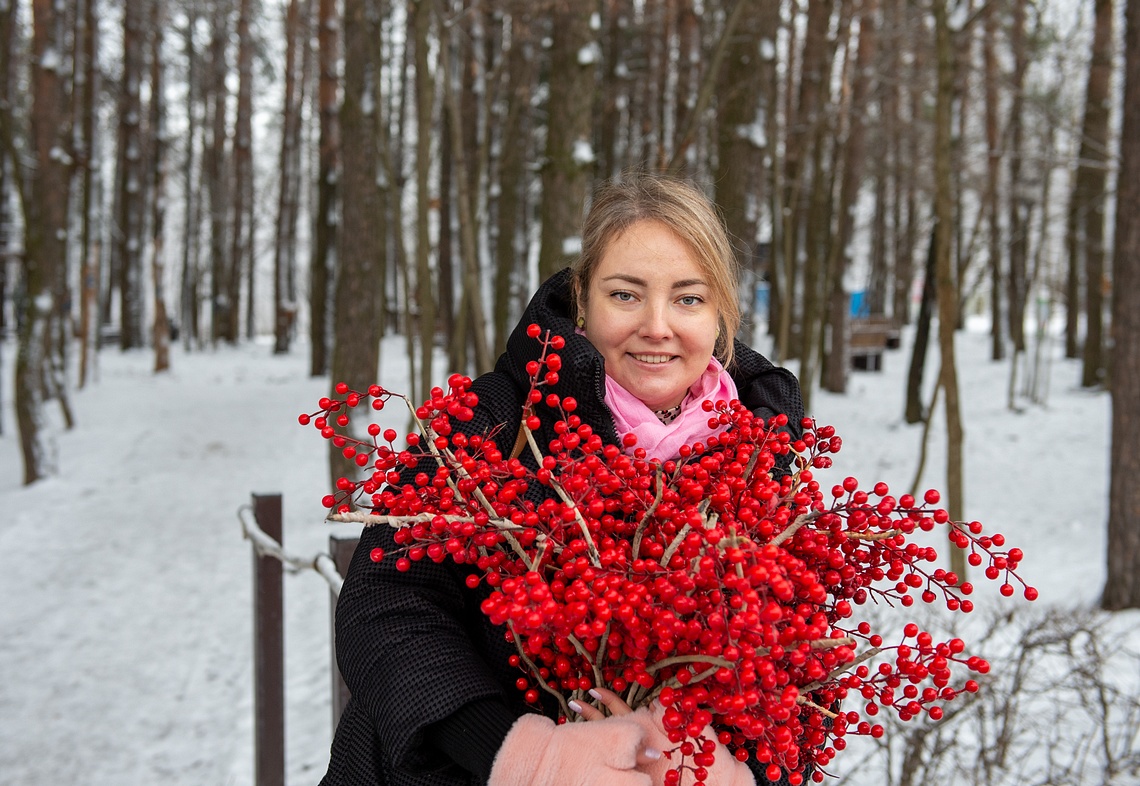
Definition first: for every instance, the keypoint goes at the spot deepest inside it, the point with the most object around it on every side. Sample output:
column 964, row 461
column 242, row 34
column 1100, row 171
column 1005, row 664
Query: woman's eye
column 623, row 297
column 691, row 300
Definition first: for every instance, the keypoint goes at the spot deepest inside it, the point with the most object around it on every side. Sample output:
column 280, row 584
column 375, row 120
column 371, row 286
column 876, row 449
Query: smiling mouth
column 652, row 358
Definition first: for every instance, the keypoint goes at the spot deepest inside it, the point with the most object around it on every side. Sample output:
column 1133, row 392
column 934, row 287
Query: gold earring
column 581, row 323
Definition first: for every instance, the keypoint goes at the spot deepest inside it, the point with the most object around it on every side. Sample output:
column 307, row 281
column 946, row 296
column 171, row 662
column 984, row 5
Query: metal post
column 341, row 547
column 268, row 651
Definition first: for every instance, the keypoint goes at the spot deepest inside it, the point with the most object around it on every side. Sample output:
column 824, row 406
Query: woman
column 648, row 312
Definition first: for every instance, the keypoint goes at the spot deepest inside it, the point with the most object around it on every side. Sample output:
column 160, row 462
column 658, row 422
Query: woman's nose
column 655, row 324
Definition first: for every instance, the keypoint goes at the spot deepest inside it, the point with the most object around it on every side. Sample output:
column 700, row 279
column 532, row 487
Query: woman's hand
column 725, row 770
column 648, row 754
column 538, row 752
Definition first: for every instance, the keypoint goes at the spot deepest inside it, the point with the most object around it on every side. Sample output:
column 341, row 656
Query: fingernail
column 652, row 754
column 575, row 706
column 595, row 694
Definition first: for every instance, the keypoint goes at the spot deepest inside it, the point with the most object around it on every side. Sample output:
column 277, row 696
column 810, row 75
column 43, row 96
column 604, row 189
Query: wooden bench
column 868, row 338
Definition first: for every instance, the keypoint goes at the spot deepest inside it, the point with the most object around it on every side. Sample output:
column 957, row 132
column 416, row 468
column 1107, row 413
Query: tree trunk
column 324, row 233
column 907, row 165
column 835, row 371
column 216, row 170
column 289, row 193
column 192, row 201
column 569, row 157
column 1017, row 209
column 43, row 192
column 241, row 246
column 1092, row 173
column 90, row 194
column 158, row 186
column 514, row 143
column 472, row 293
column 915, row 411
column 425, row 108
column 131, row 180
column 947, row 292
column 1122, row 586
column 745, row 87
column 359, row 301
column 993, row 170
column 804, row 115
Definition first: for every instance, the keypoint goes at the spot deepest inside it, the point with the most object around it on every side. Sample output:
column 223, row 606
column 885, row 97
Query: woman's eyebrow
column 687, row 282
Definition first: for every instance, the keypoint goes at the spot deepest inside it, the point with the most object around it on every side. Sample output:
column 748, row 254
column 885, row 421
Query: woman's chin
column 655, row 399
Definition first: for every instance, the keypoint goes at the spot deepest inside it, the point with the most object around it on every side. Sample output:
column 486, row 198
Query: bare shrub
column 1060, row 707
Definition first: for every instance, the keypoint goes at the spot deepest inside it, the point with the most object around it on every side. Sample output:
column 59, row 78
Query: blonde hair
column 683, row 208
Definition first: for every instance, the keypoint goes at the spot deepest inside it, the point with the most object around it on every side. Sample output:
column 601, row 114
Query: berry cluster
column 715, row 581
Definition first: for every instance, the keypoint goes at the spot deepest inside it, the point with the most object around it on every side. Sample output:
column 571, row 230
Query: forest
column 210, row 171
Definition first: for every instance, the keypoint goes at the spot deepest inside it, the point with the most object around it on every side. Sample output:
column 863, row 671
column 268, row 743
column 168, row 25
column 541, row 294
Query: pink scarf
column 659, row 440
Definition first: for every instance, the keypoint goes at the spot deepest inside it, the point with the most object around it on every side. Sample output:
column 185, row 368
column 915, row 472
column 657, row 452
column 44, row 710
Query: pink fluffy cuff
column 538, row 752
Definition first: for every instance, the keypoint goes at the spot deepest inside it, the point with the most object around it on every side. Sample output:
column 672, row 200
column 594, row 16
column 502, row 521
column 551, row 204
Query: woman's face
column 649, row 311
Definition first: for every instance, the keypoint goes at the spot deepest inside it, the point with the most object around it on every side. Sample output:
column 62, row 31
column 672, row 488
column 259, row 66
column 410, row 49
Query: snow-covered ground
column 125, row 625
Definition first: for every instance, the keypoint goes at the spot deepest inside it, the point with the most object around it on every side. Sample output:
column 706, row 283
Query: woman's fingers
column 587, row 711
column 608, row 699
column 647, row 755
column 613, row 702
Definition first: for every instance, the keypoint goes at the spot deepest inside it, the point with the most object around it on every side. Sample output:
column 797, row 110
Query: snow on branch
column 266, row 546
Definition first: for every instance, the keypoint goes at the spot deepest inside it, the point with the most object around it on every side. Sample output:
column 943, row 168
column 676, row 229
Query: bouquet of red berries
column 716, row 582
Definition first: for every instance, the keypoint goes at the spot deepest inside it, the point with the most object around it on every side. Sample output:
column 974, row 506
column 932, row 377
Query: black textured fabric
column 473, row 735
column 414, row 647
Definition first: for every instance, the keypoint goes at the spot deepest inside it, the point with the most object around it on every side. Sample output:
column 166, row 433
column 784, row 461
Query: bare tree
column 835, row 370
column 42, row 188
column 1017, row 206
column 947, row 292
column 472, row 294
column 1086, row 206
column 421, row 23
column 993, row 173
column 358, row 300
column 746, row 94
column 158, row 185
column 131, row 180
column 90, row 199
column 190, row 295
column 569, row 156
column 514, row 144
column 215, row 171
column 241, row 225
column 289, row 190
column 1122, row 586
column 323, row 248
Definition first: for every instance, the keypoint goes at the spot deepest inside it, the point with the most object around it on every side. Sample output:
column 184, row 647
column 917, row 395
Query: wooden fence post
column 268, row 651
column 341, row 547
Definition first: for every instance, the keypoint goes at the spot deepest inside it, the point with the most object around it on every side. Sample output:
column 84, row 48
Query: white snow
column 589, row 54
column 583, row 153
column 125, row 632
